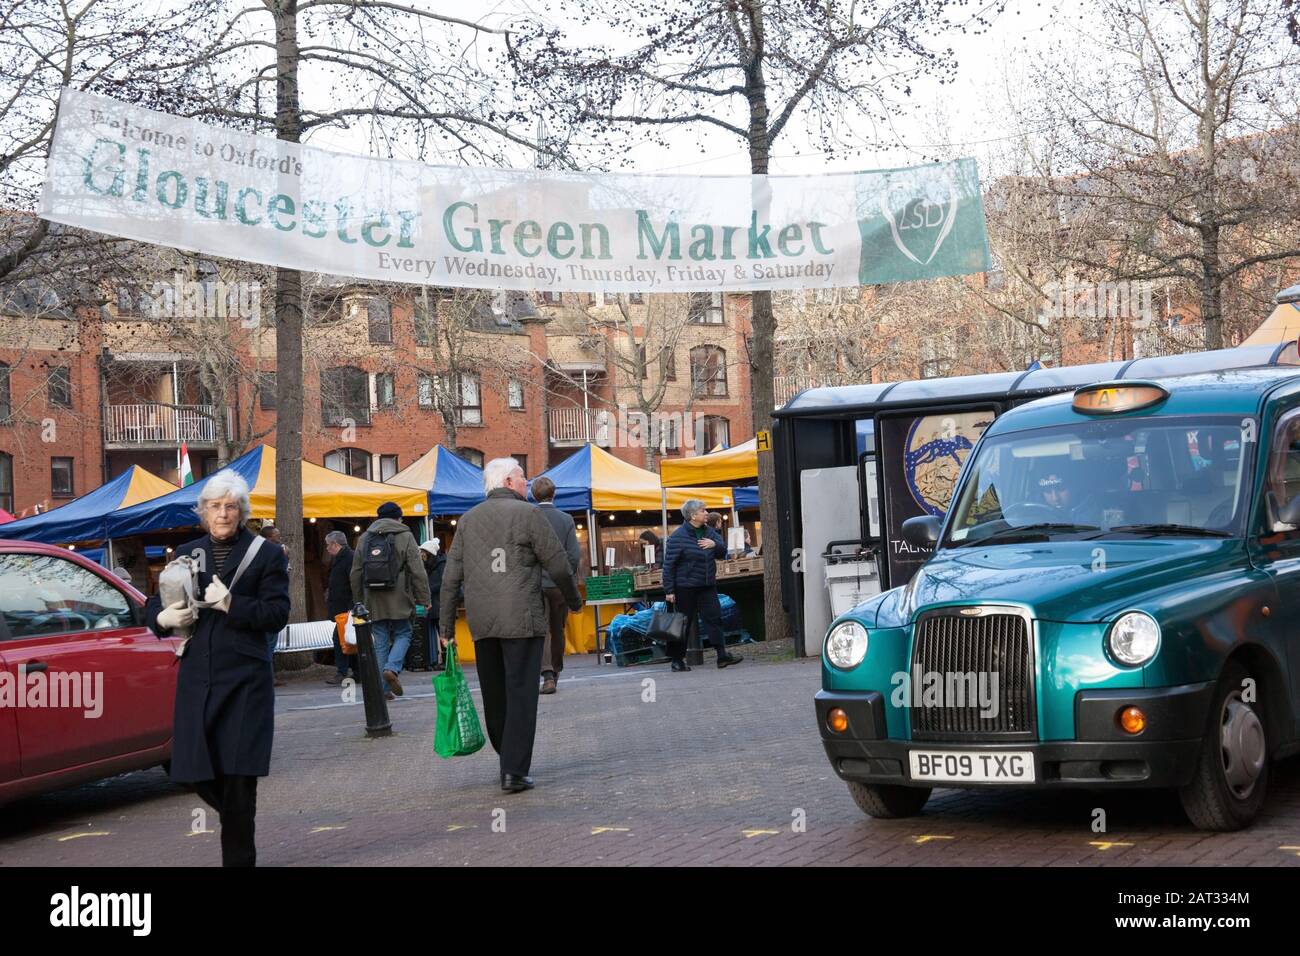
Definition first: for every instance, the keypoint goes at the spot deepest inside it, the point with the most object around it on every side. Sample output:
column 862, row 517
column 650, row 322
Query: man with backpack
column 388, row 578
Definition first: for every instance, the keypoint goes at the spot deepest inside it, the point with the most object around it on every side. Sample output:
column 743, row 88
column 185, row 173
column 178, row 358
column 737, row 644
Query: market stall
column 454, row 485
column 85, row 518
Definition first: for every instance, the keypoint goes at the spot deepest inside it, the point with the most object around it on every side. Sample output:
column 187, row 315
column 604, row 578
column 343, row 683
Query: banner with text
column 131, row 172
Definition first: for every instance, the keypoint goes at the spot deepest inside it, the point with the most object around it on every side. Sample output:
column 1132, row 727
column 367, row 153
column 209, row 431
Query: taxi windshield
column 1149, row 477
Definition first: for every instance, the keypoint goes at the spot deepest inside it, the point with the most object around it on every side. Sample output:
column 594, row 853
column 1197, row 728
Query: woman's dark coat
column 225, row 699
column 686, row 564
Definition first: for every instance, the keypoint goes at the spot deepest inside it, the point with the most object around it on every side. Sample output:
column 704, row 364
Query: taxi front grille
column 975, row 661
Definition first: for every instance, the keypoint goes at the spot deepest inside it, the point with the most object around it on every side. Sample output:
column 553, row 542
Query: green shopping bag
column 458, row 733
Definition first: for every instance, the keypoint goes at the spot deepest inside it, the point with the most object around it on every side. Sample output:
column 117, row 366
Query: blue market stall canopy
column 454, row 484
column 86, row 518
column 176, row 510
column 593, row 478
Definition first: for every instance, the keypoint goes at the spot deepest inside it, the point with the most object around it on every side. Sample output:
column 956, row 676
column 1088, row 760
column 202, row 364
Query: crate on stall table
column 649, row 580
column 606, row 587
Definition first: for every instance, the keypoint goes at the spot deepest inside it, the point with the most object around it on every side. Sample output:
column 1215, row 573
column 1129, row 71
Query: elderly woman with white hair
column 691, row 555
column 225, row 701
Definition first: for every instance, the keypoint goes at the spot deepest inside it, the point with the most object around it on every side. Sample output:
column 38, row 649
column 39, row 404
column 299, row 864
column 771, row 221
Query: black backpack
column 379, row 564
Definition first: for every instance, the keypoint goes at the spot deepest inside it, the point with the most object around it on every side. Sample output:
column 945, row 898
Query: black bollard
column 372, row 685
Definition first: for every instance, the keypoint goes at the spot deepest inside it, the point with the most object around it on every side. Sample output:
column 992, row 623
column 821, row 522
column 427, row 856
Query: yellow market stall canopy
column 731, row 464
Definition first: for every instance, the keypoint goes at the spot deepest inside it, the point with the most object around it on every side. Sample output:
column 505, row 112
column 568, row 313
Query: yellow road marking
column 596, row 830
column 199, row 832
column 323, row 829
column 1106, row 844
column 750, row 834
column 926, row 838
column 1295, row 848
column 78, row 836
column 461, row 826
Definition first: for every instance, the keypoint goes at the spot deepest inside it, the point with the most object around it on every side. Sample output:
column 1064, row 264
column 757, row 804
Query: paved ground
column 719, row 767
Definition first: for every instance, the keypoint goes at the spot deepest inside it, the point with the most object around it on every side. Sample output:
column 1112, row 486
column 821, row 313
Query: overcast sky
column 963, row 113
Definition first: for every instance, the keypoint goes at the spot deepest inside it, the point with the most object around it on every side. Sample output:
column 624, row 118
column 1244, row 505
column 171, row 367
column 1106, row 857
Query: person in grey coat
column 391, row 608
column 557, row 608
column 500, row 550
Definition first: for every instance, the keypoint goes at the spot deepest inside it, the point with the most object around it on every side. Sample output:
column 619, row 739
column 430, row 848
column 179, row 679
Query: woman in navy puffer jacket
column 690, row 581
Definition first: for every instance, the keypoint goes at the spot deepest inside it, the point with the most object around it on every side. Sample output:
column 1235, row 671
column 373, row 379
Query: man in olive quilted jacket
column 499, row 552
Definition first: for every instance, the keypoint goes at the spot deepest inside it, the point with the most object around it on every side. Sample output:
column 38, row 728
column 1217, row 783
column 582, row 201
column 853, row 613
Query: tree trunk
column 1211, row 288
column 288, row 331
column 763, row 323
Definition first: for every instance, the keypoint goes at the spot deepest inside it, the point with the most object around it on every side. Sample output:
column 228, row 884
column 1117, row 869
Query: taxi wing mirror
column 1289, row 514
column 923, row 531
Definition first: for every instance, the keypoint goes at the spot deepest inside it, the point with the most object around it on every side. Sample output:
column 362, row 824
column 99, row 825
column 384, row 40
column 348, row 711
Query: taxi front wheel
column 1231, row 776
column 887, row 802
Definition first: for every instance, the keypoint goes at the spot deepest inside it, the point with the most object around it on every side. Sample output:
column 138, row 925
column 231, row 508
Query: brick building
column 88, row 389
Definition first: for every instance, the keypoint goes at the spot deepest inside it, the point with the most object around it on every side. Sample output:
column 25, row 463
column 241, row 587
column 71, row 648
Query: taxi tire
column 887, row 802
column 1207, row 799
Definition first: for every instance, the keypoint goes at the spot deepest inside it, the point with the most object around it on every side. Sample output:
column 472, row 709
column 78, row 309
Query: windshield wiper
column 1185, row 529
column 1032, row 530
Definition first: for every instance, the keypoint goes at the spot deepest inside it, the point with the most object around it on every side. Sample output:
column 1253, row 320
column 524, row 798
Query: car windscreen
column 1154, row 476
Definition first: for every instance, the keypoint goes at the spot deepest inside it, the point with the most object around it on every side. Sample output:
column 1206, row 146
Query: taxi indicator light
column 1132, row 720
column 1112, row 398
column 837, row 720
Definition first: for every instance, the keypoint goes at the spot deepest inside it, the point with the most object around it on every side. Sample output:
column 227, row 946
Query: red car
column 86, row 689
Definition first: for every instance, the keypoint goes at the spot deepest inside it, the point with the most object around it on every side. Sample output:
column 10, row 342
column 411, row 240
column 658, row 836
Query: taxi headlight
column 1134, row 638
column 846, row 645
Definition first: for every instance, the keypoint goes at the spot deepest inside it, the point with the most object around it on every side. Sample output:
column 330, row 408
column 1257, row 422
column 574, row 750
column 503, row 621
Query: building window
column 5, row 408
column 471, row 455
column 424, row 388
column 387, row 467
column 61, row 478
column 134, row 301
column 345, row 396
column 60, row 387
column 932, row 368
column 426, row 318
column 714, row 431
column 380, row 313
column 668, row 364
column 384, row 391
column 266, row 390
column 666, row 433
column 636, row 298
column 709, row 371
column 349, row 461
column 6, row 482
column 523, row 463
column 551, row 298
column 516, row 393
column 468, row 405
column 705, row 308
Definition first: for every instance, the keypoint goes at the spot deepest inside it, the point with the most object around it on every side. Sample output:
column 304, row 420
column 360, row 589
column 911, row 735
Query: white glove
column 178, row 615
column 217, row 596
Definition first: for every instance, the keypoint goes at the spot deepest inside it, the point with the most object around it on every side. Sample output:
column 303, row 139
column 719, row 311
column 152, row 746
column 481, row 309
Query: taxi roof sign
column 1111, row 398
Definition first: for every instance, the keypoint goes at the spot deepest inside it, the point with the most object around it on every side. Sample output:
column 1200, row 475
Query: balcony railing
column 152, row 424
column 786, row 387
column 577, row 426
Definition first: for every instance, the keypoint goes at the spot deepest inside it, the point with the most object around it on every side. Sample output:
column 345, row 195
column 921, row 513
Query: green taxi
column 1113, row 601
